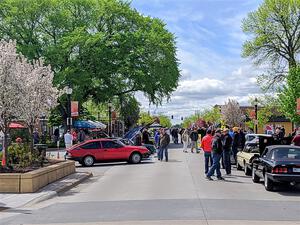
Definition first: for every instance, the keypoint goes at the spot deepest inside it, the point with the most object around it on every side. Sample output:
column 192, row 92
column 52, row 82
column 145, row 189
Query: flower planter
column 32, row 181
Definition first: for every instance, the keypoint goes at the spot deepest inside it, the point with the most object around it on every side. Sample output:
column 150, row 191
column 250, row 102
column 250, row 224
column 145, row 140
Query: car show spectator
column 164, row 144
column 207, row 147
column 68, row 139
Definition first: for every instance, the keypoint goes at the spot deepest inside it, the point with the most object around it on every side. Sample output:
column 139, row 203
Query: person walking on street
column 194, row 139
column 81, row 136
column 156, row 138
column 207, row 147
column 146, row 139
column 216, row 156
column 164, row 144
column 236, row 141
column 185, row 140
column 68, row 139
column 180, row 134
column 227, row 144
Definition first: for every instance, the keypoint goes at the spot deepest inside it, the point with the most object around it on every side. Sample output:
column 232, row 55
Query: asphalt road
column 154, row 192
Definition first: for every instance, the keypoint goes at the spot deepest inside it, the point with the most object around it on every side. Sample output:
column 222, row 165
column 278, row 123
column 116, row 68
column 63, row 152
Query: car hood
column 136, row 147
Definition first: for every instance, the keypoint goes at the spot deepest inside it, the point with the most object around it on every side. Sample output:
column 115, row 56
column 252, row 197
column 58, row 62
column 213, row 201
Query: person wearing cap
column 227, row 144
column 206, row 144
column 216, row 156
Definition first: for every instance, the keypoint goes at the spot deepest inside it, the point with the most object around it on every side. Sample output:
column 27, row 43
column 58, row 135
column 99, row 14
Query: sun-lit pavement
column 157, row 192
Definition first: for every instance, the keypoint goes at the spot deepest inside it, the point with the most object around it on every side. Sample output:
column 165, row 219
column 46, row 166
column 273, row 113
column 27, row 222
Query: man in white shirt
column 68, row 140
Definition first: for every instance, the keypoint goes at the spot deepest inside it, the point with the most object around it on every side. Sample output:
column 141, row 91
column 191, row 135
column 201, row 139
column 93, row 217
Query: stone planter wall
column 34, row 180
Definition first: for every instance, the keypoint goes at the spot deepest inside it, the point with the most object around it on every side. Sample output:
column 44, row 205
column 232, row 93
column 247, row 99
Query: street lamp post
column 69, row 91
column 255, row 108
column 109, row 118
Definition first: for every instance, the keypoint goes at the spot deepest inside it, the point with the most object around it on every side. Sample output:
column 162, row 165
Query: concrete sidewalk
column 8, row 201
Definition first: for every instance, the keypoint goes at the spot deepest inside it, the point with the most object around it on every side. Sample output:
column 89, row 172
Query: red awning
column 16, row 126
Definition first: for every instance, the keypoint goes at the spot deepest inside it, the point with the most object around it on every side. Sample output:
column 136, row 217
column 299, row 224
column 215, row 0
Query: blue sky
column 209, row 41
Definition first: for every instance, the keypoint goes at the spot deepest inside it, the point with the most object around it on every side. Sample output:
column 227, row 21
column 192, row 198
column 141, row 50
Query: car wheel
column 88, row 161
column 135, row 158
column 247, row 171
column 269, row 185
column 255, row 178
column 238, row 167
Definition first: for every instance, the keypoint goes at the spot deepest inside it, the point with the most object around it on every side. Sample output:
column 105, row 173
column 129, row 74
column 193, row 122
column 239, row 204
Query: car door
column 94, row 149
column 263, row 160
column 113, row 150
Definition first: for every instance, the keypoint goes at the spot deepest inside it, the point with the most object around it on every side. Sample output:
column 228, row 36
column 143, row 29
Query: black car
column 277, row 164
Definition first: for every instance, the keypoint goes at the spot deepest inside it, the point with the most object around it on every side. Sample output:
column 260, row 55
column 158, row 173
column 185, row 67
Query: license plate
column 296, row 170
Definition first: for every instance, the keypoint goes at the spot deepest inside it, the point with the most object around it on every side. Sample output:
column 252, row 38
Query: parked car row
column 274, row 164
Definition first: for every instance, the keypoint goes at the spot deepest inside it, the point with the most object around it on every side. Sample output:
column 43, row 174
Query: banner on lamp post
column 74, row 109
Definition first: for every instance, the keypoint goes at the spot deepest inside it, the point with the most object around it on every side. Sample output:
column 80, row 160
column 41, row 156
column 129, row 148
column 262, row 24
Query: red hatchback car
column 106, row 150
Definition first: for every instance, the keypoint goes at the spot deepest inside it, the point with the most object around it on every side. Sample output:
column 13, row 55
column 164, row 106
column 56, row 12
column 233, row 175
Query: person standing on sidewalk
column 81, row 136
column 216, row 156
column 227, row 144
column 236, row 141
column 194, row 139
column 164, row 144
column 185, row 139
column 207, row 147
column 68, row 140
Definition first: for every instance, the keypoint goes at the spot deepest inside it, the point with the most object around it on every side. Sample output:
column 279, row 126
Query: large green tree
column 104, row 48
column 289, row 94
column 274, row 29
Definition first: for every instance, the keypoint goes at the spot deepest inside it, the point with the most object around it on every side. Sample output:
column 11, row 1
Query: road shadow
column 286, row 189
column 112, row 164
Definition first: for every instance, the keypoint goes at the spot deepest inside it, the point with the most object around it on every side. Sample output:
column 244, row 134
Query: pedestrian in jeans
column 164, row 144
column 216, row 156
column 194, row 139
column 227, row 144
column 207, row 147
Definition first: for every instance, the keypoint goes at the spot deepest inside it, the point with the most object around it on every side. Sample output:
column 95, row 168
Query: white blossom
column 231, row 113
column 26, row 89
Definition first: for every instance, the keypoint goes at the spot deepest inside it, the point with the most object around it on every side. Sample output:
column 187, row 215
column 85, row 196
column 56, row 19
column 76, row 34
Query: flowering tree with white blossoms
column 12, row 77
column 26, row 90
column 231, row 113
column 40, row 95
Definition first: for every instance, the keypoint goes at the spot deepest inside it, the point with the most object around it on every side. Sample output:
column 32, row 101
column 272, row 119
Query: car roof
column 271, row 147
column 99, row 139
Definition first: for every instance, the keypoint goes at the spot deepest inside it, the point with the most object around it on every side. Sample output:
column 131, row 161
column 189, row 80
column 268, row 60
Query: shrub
column 21, row 156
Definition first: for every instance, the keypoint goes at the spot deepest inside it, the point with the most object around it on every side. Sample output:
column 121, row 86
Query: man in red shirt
column 296, row 140
column 206, row 146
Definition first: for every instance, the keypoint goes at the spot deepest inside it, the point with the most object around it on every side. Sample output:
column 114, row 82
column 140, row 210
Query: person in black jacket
column 217, row 150
column 194, row 139
column 227, row 144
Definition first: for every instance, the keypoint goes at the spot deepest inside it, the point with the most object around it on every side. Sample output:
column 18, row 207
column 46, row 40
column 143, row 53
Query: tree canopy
column 289, row 94
column 104, row 48
column 274, row 29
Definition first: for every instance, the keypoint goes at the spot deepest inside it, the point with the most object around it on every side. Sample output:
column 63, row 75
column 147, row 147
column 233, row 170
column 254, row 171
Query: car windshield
column 285, row 153
column 119, row 142
column 250, row 137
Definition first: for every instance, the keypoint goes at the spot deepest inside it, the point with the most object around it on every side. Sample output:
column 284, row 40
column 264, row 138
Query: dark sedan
column 277, row 164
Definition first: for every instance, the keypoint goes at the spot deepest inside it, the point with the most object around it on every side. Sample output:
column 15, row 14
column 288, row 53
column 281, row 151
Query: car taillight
column 280, row 170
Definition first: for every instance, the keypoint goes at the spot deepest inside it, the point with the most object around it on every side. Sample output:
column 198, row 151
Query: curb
column 74, row 184
column 52, row 194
